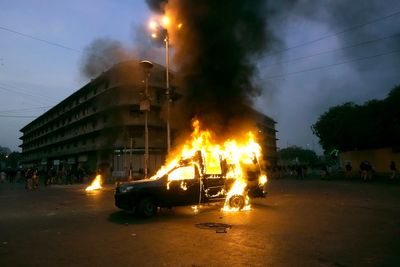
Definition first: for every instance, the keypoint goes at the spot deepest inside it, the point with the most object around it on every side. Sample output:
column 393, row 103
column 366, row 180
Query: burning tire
column 147, row 207
column 237, row 202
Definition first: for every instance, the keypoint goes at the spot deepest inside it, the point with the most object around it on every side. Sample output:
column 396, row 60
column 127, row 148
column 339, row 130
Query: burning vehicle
column 214, row 57
column 201, row 171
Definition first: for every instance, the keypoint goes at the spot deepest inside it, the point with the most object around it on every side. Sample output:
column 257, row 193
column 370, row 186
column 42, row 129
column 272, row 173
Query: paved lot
column 300, row 223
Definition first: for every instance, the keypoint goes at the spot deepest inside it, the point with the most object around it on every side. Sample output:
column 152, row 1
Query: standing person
column 348, row 168
column 18, row 176
column 81, row 174
column 49, row 176
column 393, row 170
column 69, row 176
column 2, row 176
column 324, row 172
column 370, row 171
column 29, row 179
column 364, row 171
column 35, row 178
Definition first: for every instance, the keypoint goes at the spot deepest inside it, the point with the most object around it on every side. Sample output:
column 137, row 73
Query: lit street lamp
column 145, row 106
column 162, row 29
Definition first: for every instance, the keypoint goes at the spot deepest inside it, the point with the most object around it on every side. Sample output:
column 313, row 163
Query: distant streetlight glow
column 179, row 25
column 153, row 35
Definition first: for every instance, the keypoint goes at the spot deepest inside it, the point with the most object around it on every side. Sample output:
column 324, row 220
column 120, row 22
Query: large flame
column 236, row 152
column 96, row 184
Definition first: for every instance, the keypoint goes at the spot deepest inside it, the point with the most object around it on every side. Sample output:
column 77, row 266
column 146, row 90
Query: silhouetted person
column 370, row 171
column 49, row 177
column 393, row 170
column 29, row 179
column 364, row 171
column 81, row 174
column 324, row 171
column 69, row 177
column 348, row 168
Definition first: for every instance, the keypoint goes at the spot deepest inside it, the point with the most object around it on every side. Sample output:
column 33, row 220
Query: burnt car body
column 187, row 184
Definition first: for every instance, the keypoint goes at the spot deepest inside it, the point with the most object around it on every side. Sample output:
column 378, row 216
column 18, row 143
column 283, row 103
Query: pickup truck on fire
column 188, row 183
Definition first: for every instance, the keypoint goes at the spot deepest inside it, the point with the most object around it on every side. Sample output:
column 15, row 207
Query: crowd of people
column 34, row 176
column 365, row 172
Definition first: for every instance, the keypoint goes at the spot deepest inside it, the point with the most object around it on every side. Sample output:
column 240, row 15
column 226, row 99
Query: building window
column 158, row 97
column 134, row 111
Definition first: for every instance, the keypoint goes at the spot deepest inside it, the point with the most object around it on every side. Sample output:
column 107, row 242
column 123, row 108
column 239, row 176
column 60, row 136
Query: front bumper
column 124, row 201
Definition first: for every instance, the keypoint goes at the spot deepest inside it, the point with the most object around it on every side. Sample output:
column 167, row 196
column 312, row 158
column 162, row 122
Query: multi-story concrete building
column 99, row 121
column 101, row 125
column 266, row 127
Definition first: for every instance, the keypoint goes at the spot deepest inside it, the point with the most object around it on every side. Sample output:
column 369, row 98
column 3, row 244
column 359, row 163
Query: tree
column 13, row 160
column 350, row 126
column 10, row 160
column 298, row 154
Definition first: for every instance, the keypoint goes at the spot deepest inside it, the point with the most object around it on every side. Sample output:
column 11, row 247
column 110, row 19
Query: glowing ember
column 96, row 184
column 230, row 159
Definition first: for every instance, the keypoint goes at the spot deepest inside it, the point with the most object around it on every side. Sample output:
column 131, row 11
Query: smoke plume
column 215, row 52
column 100, row 55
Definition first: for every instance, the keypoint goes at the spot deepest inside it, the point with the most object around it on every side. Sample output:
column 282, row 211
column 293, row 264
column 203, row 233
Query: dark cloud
column 303, row 97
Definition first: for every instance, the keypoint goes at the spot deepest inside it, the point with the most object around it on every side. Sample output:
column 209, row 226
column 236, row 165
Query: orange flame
column 96, row 184
column 236, row 152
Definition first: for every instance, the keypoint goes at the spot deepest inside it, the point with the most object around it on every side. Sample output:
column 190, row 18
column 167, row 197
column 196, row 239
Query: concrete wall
column 379, row 158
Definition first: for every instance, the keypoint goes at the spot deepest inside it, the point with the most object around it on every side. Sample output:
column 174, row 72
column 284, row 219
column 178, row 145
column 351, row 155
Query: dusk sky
column 327, row 54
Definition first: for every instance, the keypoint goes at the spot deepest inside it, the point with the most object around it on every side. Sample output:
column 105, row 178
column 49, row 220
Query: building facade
column 101, row 126
column 379, row 158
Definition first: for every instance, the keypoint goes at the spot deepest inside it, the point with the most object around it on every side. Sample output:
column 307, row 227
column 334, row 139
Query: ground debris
column 218, row 227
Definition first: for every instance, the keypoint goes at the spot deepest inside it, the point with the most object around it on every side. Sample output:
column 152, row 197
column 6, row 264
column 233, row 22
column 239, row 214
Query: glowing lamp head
column 153, row 35
column 153, row 25
column 165, row 21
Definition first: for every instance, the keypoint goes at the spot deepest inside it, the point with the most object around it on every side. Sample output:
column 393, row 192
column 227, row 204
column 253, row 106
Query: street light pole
column 146, row 65
column 167, row 92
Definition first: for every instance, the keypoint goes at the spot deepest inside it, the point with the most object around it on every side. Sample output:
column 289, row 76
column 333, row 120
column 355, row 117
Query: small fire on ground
column 96, row 184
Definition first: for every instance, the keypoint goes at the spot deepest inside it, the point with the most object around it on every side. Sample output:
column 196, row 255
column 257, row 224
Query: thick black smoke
column 100, row 55
column 215, row 54
column 157, row 6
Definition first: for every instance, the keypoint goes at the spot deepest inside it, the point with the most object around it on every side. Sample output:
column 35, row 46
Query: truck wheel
column 147, row 207
column 237, row 202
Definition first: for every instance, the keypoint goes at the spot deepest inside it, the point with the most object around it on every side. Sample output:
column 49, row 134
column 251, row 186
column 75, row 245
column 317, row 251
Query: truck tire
column 237, row 202
column 147, row 207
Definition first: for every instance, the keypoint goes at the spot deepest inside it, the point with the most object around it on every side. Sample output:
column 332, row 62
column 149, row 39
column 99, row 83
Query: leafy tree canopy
column 297, row 154
column 372, row 125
